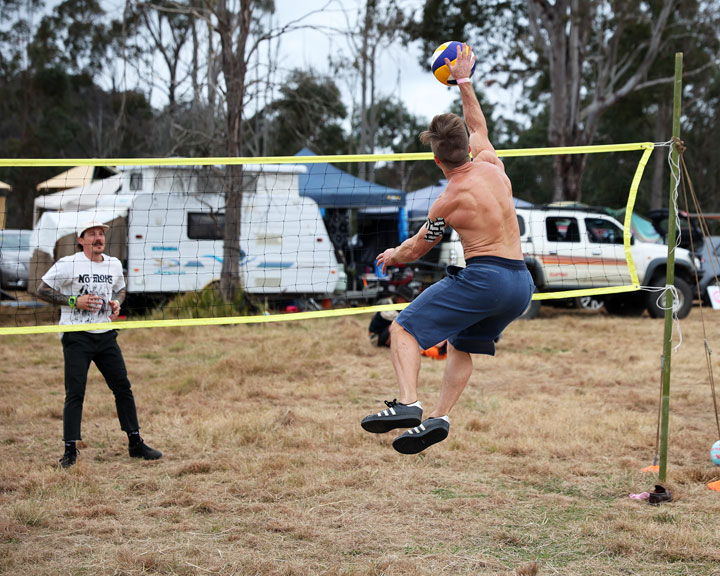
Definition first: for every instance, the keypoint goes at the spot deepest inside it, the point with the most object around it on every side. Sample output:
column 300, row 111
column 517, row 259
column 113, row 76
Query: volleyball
column 439, row 68
column 715, row 453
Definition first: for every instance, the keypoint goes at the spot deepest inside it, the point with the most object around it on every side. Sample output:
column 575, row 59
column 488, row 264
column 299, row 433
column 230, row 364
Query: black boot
column 139, row 449
column 69, row 458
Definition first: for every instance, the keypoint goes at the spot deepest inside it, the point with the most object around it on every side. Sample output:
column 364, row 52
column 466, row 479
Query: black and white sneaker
column 395, row 416
column 431, row 431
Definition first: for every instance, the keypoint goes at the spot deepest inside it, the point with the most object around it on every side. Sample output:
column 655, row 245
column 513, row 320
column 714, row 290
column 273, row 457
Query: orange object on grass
column 654, row 468
column 434, row 352
column 714, row 486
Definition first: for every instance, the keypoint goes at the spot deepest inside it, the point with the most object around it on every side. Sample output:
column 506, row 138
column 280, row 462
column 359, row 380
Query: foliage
column 579, row 59
column 62, row 93
column 16, row 28
column 206, row 303
column 306, row 114
column 701, row 133
column 48, row 113
column 398, row 131
column 76, row 35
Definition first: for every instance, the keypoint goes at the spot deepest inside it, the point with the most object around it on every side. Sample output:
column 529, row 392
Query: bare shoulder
column 489, row 157
column 440, row 206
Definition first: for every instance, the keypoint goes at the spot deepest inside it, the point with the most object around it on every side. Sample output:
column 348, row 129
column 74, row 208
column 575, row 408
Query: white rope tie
column 662, row 304
column 675, row 170
column 663, row 290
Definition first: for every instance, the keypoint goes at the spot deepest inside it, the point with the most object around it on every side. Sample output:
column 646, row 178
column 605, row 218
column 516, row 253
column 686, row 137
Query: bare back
column 478, row 204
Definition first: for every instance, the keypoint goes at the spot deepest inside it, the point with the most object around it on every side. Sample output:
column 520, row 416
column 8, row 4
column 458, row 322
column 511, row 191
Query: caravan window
column 136, row 181
column 206, row 225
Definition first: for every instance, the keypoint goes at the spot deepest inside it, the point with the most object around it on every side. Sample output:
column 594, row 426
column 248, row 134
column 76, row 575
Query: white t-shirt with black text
column 77, row 275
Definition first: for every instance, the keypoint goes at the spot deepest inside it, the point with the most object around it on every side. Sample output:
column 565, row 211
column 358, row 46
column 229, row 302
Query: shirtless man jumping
column 472, row 305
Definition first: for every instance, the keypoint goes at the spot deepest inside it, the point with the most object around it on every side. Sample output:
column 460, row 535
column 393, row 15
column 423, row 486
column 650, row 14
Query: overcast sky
column 399, row 72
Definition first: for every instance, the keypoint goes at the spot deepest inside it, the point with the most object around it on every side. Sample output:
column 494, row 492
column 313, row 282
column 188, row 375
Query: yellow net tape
column 512, row 153
column 646, row 147
column 180, row 322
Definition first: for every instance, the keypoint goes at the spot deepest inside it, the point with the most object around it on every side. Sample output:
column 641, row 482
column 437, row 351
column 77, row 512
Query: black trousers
column 80, row 349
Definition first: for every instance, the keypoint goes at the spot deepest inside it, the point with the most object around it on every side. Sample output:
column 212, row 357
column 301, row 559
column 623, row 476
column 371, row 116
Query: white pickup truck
column 572, row 249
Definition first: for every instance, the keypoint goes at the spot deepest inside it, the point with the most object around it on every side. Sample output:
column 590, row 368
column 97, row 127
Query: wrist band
column 72, row 301
column 462, row 80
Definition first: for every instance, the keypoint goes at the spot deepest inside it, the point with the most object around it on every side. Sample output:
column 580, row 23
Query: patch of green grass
column 207, row 303
column 544, row 350
column 29, row 513
column 556, row 486
column 665, row 518
column 448, row 494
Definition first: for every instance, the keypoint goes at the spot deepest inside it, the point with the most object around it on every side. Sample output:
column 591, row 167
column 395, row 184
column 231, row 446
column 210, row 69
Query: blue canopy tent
column 379, row 211
column 331, row 187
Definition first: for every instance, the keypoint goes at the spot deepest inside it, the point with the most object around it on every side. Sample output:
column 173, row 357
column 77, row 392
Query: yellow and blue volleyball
column 437, row 63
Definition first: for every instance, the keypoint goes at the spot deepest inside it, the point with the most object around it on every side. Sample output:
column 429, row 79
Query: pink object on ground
column 641, row 496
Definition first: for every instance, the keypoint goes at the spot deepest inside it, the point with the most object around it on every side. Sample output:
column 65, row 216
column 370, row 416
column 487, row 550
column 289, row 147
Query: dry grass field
column 267, row 471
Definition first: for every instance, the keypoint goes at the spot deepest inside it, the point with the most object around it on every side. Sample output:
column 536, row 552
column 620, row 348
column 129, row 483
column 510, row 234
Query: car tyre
column 685, row 298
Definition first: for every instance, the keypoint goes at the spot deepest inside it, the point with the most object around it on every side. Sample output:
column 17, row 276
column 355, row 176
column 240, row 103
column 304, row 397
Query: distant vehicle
column 692, row 238
column 689, row 232
column 709, row 255
column 568, row 248
column 15, row 256
column 642, row 228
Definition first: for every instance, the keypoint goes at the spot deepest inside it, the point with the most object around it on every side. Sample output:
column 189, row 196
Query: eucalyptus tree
column 590, row 54
column 240, row 30
column 307, row 113
column 369, row 32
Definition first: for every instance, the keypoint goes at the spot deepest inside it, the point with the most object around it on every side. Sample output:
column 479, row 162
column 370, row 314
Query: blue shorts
column 471, row 306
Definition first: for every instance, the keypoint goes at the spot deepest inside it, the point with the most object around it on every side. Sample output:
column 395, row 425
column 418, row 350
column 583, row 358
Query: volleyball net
column 308, row 229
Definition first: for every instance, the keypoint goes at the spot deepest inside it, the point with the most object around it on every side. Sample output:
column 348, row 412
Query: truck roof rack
column 571, row 206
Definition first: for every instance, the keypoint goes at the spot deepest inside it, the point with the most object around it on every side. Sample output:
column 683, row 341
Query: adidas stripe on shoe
column 431, row 431
column 396, row 415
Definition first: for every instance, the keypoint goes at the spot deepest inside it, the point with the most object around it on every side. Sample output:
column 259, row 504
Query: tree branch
column 604, row 100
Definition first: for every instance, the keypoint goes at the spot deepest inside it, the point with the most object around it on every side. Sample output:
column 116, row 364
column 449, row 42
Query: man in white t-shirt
column 90, row 288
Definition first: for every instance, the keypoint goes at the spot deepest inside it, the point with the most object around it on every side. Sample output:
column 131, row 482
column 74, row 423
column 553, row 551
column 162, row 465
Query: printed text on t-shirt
column 85, row 278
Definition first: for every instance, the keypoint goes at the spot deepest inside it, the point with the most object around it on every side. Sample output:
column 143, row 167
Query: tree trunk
column 569, row 169
column 364, row 63
column 372, row 124
column 230, row 275
column 562, row 31
column 233, row 41
column 663, row 125
column 212, row 80
column 195, row 68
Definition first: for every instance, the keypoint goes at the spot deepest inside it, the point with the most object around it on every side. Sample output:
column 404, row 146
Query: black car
column 689, row 232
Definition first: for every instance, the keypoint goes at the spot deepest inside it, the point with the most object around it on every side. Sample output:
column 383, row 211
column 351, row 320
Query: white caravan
column 167, row 229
